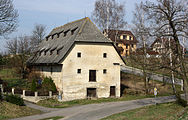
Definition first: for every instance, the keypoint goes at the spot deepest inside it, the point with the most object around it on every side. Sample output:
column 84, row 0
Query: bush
column 48, row 84
column 181, row 101
column 1, row 97
column 14, row 100
column 33, row 86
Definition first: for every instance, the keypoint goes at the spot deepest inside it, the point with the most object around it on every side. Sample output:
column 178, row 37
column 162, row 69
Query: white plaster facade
column 74, row 85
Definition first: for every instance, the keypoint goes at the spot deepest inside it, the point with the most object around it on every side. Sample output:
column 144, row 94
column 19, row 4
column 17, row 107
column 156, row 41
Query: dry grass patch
column 9, row 110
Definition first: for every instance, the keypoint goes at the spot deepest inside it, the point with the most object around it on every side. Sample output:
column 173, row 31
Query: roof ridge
column 70, row 23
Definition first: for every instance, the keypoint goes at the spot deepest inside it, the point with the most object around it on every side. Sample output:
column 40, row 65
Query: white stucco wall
column 75, row 85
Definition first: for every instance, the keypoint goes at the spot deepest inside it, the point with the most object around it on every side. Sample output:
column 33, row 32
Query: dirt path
column 98, row 111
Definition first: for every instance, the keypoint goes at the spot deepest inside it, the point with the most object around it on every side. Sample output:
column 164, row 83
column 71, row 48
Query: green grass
column 52, row 103
column 166, row 111
column 53, row 118
column 8, row 110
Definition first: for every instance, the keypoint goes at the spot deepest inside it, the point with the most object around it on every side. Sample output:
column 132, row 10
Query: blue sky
column 53, row 13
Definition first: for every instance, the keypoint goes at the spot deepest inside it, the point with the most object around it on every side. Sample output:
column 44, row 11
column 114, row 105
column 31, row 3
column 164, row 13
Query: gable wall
column 75, row 85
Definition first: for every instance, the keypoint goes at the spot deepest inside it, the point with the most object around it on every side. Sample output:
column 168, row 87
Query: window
column 51, row 69
column 104, row 71
column 130, row 38
column 124, row 36
column 104, row 55
column 79, row 54
column 127, row 46
column 132, row 46
column 78, row 71
column 92, row 75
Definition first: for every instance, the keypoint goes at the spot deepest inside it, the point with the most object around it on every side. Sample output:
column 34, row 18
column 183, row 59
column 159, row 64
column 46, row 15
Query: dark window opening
column 104, row 71
column 79, row 71
column 112, row 91
column 104, row 55
column 51, row 70
column 132, row 45
column 79, row 54
column 127, row 46
column 130, row 38
column 92, row 75
column 91, row 92
column 124, row 36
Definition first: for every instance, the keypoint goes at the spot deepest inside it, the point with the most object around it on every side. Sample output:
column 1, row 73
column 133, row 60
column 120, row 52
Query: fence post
column 36, row 94
column 50, row 94
column 181, row 85
column 13, row 91
column 23, row 93
column 1, row 86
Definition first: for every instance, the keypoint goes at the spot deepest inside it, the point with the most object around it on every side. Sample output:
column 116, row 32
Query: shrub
column 181, row 101
column 33, row 86
column 14, row 100
column 1, row 97
column 48, row 84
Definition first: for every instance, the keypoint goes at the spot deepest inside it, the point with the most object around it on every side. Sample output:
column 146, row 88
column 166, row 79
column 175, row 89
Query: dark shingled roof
column 62, row 38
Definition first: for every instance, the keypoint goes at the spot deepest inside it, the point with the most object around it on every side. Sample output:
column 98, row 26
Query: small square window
column 78, row 71
column 79, row 54
column 104, row 55
column 104, row 71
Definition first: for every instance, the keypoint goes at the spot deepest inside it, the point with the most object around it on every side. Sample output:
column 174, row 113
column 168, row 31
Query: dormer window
column 72, row 31
column 52, row 36
column 47, row 38
column 59, row 49
column 65, row 33
column 58, row 35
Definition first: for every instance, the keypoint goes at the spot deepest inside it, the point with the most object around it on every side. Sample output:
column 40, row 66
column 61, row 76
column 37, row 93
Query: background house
column 81, row 61
column 163, row 45
column 124, row 40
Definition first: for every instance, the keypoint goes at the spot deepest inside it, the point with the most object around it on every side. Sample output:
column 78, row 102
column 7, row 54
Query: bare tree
column 141, row 32
column 12, row 46
column 169, row 18
column 109, row 14
column 8, row 17
column 38, row 35
column 19, row 47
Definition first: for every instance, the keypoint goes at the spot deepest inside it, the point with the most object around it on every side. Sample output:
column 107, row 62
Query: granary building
column 81, row 61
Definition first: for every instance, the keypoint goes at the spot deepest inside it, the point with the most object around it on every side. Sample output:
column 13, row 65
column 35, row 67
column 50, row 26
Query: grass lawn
column 53, row 118
column 8, row 110
column 166, row 111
